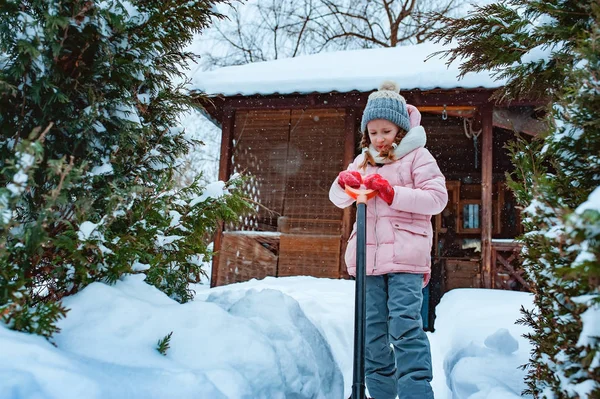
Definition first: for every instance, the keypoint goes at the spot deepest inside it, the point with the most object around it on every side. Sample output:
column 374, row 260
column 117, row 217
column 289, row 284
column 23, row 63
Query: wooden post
column 349, row 149
column 227, row 125
column 486, row 195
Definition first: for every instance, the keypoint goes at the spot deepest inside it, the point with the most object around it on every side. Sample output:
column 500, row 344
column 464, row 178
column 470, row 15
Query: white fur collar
column 415, row 138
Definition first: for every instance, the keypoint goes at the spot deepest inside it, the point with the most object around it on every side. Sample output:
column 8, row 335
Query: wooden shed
column 292, row 125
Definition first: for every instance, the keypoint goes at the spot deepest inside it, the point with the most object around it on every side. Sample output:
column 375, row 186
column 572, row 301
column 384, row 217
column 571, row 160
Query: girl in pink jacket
column 411, row 188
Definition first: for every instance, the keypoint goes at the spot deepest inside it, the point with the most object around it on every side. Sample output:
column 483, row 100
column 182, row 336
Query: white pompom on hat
column 390, row 85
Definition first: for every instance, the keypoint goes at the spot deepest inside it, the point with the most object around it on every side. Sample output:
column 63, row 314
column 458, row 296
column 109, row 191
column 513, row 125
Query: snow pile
column 296, row 360
column 482, row 347
column 253, row 345
column 274, row 338
column 328, row 304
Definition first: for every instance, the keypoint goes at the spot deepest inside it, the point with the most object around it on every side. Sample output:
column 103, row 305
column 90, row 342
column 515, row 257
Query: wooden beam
column 228, row 123
column 450, row 97
column 355, row 99
column 212, row 106
column 460, row 111
column 228, row 126
column 349, row 150
column 441, row 108
column 519, row 120
column 486, row 194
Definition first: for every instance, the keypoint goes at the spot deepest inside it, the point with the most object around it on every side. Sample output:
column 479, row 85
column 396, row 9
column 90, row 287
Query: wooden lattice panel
column 315, row 157
column 292, row 158
column 247, row 255
column 507, row 272
column 309, row 255
column 260, row 151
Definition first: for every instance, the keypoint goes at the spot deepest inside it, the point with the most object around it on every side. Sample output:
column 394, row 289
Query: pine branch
column 164, row 344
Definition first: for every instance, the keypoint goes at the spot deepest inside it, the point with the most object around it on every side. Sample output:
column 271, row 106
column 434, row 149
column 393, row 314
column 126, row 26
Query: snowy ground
column 275, row 338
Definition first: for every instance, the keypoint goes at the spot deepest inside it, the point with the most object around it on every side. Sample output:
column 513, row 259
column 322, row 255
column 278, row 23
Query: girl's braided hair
column 387, row 153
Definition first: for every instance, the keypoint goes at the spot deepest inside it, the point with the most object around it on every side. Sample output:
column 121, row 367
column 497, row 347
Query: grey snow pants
column 394, row 317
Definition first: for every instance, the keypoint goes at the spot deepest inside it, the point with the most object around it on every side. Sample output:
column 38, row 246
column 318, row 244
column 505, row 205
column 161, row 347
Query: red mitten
column 385, row 190
column 350, row 178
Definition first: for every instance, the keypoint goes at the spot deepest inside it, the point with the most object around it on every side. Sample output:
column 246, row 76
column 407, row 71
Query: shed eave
column 306, row 93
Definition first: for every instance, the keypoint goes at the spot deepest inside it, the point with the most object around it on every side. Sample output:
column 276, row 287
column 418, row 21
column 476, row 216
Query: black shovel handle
column 360, row 309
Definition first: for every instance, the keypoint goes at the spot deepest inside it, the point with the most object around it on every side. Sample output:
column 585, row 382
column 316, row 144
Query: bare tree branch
column 269, row 29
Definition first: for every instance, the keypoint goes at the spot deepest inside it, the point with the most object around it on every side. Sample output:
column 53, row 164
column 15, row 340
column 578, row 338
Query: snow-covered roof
column 342, row 71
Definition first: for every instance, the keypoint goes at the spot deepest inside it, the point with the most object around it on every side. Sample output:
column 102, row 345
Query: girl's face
column 382, row 133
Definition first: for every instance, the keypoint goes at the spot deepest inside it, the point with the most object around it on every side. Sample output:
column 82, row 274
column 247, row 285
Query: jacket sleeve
column 337, row 195
column 429, row 195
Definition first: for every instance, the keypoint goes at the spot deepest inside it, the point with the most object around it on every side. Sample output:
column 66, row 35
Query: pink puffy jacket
column 399, row 236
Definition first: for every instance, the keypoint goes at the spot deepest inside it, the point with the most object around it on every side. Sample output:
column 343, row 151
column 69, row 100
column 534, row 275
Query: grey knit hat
column 386, row 103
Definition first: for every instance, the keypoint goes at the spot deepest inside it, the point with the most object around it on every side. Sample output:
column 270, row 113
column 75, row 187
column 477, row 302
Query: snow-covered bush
column 88, row 144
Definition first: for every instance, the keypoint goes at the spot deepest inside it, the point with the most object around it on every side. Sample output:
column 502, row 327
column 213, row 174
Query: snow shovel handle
column 360, row 195
column 358, row 372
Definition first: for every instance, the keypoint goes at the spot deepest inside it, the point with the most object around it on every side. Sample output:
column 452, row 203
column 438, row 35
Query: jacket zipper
column 375, row 229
